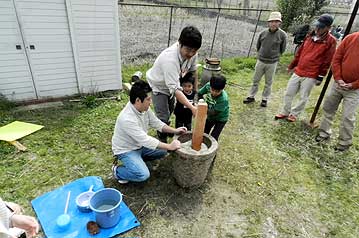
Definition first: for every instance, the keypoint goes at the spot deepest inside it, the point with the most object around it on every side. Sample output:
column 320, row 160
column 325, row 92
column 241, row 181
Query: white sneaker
column 120, row 181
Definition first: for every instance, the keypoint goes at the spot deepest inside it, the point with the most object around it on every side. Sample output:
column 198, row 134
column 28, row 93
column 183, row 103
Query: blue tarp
column 52, row 204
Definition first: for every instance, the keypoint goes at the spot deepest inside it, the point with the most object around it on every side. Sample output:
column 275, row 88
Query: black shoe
column 341, row 148
column 320, row 138
column 248, row 100
column 264, row 103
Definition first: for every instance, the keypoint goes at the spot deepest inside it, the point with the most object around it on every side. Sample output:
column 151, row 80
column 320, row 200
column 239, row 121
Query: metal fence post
column 170, row 27
column 254, row 34
column 215, row 32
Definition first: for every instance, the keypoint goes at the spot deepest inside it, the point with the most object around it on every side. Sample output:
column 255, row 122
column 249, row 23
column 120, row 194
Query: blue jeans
column 134, row 167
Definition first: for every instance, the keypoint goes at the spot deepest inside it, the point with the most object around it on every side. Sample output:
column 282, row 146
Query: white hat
column 275, row 16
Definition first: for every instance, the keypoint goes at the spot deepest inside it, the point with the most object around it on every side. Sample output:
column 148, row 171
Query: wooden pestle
column 199, row 124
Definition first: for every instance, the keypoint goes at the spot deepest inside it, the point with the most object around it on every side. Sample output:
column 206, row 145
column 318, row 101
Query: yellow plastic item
column 17, row 129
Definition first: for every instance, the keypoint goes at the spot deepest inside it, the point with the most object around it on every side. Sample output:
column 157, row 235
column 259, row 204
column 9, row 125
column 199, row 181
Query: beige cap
column 275, row 16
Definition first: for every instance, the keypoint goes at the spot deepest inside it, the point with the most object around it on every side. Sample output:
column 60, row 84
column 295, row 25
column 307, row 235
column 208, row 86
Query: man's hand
column 340, row 82
column 290, row 71
column 181, row 130
column 27, row 223
column 347, row 86
column 175, row 144
column 343, row 85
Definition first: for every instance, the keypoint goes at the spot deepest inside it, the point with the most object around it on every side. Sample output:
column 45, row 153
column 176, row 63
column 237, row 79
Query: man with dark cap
column 164, row 76
column 310, row 65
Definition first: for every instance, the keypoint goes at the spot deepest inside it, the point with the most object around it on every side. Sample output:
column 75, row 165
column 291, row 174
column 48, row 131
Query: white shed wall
column 95, row 37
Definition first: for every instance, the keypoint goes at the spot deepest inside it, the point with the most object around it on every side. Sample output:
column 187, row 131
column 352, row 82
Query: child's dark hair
column 188, row 78
column 217, row 82
column 139, row 89
column 191, row 37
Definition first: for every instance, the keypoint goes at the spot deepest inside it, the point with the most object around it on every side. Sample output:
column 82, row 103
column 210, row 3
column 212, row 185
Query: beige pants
column 268, row 70
column 350, row 103
column 297, row 84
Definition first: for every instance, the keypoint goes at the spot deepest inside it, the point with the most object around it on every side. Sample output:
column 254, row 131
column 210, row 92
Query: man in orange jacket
column 345, row 89
column 310, row 65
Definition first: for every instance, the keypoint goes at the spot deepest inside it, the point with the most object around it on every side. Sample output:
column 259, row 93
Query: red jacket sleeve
column 328, row 56
column 337, row 61
column 295, row 61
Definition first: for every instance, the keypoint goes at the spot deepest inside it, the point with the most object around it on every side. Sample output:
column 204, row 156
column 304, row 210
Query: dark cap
column 324, row 21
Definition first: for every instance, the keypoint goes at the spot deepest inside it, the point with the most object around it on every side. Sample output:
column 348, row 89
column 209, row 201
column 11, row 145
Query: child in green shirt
column 218, row 105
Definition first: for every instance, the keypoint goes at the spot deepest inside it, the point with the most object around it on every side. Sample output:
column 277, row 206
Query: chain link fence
column 147, row 29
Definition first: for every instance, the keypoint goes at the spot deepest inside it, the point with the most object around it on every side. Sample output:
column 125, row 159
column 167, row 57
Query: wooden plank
column 18, row 145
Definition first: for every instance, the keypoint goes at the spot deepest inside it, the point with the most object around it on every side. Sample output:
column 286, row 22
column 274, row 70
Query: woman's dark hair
column 217, row 82
column 191, row 37
column 139, row 89
column 188, row 78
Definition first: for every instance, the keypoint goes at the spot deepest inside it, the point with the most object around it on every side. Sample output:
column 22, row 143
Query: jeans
column 134, row 167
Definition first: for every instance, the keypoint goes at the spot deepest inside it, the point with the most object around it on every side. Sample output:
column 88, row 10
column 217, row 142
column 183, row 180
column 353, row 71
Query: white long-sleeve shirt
column 4, row 220
column 164, row 75
column 131, row 130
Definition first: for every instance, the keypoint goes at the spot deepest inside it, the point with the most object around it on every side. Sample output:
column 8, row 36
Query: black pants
column 185, row 123
column 214, row 127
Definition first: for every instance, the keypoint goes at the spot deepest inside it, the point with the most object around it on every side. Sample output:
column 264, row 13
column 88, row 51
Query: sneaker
column 114, row 173
column 248, row 100
column 320, row 138
column 341, row 148
column 264, row 103
column 280, row 116
column 291, row 118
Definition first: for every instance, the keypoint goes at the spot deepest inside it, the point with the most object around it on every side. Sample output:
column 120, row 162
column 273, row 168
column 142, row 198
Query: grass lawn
column 271, row 179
